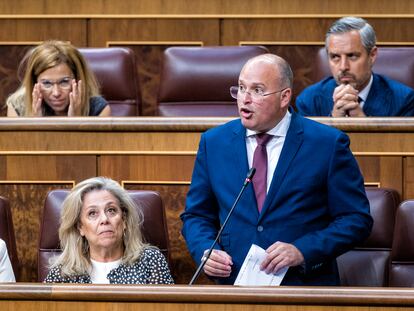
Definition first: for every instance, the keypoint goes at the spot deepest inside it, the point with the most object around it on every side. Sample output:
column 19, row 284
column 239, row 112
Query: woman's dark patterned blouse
column 151, row 268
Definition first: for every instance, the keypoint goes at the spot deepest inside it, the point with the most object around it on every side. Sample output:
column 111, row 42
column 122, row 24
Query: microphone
column 248, row 180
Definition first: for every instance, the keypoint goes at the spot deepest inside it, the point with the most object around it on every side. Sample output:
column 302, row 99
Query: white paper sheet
column 250, row 273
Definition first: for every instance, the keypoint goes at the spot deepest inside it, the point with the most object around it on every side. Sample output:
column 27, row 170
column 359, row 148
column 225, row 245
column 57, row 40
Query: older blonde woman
column 56, row 82
column 101, row 239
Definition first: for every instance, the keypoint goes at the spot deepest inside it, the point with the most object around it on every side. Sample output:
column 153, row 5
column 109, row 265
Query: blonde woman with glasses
column 60, row 84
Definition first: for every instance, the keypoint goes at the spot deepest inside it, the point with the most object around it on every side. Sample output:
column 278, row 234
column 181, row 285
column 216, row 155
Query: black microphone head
column 250, row 174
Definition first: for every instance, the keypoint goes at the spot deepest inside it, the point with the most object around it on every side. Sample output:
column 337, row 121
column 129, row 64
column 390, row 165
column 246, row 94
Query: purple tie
column 260, row 164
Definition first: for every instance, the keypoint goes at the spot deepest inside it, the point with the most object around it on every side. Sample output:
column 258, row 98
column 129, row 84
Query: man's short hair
column 286, row 74
column 349, row 23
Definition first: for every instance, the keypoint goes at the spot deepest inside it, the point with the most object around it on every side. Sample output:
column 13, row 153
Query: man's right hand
column 219, row 264
column 345, row 98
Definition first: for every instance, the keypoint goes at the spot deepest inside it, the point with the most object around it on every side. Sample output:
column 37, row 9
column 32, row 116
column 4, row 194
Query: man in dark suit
column 315, row 208
column 353, row 89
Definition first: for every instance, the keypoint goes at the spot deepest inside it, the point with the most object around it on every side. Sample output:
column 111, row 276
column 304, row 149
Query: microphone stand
column 204, row 259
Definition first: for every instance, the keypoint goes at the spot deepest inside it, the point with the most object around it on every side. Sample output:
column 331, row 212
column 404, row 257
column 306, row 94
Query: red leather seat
column 195, row 81
column 402, row 257
column 116, row 71
column 368, row 263
column 154, row 227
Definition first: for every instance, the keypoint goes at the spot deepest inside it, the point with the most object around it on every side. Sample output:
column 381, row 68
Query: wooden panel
column 392, row 173
column 408, row 167
column 302, row 30
column 175, row 297
column 110, row 306
column 236, row 31
column 98, row 141
column 393, row 30
column 383, row 171
column 103, row 31
column 148, row 167
column 206, row 7
column 29, row 30
column 25, row 168
column 381, row 143
column 370, row 168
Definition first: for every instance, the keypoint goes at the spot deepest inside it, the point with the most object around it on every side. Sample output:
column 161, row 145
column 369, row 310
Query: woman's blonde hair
column 75, row 257
column 48, row 55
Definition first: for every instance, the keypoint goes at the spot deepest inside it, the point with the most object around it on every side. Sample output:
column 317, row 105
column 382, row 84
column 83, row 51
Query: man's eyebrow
column 255, row 84
column 349, row 53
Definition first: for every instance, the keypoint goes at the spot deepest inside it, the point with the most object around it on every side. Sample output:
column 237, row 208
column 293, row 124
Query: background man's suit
column 316, row 200
column 385, row 98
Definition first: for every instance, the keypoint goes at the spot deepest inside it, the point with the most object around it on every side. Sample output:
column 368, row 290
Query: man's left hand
column 280, row 255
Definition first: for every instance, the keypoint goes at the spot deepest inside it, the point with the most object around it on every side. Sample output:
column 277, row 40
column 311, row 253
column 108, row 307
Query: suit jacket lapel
column 293, row 141
column 237, row 148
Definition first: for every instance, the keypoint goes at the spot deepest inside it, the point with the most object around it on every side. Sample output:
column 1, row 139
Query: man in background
column 353, row 89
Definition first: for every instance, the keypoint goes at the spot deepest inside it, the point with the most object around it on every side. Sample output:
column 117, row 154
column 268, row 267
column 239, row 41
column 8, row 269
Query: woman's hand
column 37, row 100
column 75, row 99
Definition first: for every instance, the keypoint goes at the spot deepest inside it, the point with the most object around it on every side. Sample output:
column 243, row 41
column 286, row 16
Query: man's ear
column 373, row 55
column 285, row 97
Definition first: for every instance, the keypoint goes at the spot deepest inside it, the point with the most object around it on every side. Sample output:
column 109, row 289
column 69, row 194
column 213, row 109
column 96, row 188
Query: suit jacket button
column 260, row 228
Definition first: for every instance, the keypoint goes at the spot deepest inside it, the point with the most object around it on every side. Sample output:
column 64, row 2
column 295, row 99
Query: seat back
column 7, row 234
column 195, row 81
column 154, row 227
column 368, row 263
column 402, row 257
column 396, row 63
column 116, row 71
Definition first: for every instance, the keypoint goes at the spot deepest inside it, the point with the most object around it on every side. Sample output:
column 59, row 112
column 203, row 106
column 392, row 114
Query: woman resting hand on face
column 101, row 239
column 61, row 84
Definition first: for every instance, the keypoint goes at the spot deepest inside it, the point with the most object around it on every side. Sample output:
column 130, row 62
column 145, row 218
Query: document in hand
column 250, row 273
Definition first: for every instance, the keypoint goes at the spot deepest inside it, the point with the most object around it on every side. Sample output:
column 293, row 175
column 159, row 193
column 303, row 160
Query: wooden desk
column 36, row 297
column 39, row 154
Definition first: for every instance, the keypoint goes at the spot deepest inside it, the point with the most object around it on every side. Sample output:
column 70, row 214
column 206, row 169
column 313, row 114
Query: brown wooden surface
column 201, row 7
column 123, row 297
column 39, row 154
